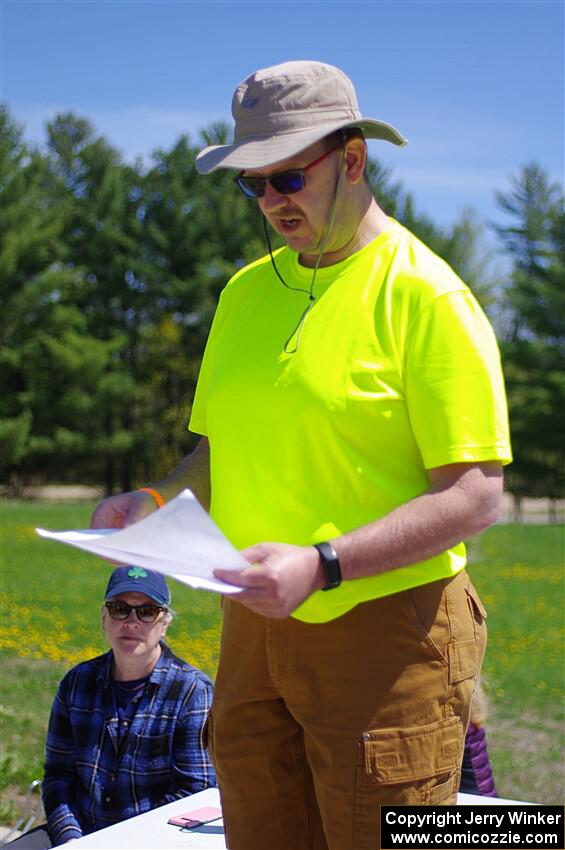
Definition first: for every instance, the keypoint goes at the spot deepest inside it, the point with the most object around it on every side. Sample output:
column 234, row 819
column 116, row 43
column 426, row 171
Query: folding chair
column 32, row 807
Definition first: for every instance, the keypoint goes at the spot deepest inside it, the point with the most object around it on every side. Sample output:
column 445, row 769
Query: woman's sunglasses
column 147, row 613
column 285, row 182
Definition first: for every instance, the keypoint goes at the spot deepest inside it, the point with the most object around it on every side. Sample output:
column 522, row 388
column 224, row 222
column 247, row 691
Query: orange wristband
column 157, row 496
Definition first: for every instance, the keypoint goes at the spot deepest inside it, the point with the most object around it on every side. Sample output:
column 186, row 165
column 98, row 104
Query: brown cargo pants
column 314, row 726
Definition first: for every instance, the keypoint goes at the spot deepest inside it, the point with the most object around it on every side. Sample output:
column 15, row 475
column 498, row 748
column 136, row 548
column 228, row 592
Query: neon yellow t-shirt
column 397, row 371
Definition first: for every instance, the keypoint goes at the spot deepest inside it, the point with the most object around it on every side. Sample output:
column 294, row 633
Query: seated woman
column 126, row 728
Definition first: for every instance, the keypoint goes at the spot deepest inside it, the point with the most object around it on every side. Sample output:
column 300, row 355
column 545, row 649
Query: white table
column 152, row 832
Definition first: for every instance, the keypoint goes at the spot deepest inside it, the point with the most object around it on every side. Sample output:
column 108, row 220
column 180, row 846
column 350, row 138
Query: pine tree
column 533, row 346
column 103, row 237
column 30, row 276
column 197, row 232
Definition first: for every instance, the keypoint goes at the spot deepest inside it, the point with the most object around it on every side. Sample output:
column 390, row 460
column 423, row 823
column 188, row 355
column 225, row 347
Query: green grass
column 51, row 596
column 26, row 691
column 518, row 571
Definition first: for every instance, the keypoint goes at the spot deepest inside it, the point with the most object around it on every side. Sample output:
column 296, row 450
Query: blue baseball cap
column 139, row 580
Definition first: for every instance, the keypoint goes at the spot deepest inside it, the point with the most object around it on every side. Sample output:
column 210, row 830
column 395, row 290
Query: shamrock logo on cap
column 137, row 572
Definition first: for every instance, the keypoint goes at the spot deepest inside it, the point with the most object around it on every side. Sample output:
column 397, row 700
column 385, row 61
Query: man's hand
column 123, row 510
column 280, row 579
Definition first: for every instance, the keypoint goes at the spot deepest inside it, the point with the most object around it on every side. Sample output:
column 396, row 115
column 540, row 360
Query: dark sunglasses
column 146, row 612
column 285, row 182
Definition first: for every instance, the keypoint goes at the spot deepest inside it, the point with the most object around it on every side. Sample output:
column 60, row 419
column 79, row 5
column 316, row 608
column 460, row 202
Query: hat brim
column 133, row 587
column 259, row 152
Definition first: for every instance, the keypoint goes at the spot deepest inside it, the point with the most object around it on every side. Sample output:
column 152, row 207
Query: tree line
column 109, row 277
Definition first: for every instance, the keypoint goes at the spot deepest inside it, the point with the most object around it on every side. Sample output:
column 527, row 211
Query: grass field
column 51, row 596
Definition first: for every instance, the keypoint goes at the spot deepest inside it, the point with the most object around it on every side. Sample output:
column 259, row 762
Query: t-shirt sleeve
column 454, row 384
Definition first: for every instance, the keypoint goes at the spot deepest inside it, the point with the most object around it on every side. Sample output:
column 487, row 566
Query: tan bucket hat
column 282, row 110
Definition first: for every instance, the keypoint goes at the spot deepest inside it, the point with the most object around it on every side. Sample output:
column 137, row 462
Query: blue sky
column 477, row 87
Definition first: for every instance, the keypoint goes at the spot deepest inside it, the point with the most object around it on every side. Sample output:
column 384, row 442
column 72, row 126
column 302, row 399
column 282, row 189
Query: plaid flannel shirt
column 93, row 778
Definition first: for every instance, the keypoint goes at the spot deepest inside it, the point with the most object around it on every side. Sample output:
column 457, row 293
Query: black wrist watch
column 330, row 565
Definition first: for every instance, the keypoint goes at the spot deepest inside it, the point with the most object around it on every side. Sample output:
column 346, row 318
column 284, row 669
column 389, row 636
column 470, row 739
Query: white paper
column 179, row 540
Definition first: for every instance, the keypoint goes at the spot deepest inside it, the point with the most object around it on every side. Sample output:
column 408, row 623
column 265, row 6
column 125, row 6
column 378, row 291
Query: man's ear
column 355, row 159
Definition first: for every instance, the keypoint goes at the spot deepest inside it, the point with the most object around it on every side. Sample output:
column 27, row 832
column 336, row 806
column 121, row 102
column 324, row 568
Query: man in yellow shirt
column 353, row 423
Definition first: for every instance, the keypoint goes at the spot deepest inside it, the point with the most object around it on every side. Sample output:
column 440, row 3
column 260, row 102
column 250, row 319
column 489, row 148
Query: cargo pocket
column 462, row 661
column 424, row 759
column 465, row 656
